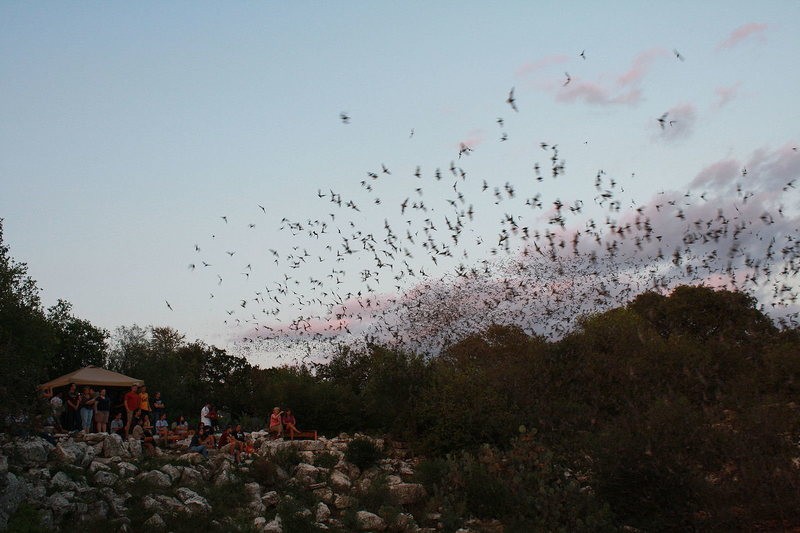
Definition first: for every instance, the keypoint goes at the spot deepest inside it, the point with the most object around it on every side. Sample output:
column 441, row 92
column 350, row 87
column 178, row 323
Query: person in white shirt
column 205, row 419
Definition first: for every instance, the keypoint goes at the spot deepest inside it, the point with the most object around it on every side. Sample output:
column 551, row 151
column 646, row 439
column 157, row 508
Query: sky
column 129, row 130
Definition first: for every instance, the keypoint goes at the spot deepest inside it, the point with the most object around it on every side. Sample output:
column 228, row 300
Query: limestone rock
column 341, row 501
column 366, row 521
column 32, row 452
column 274, row 526
column 112, row 445
column 191, row 458
column 191, row 476
column 340, row 482
column 127, row 469
column 70, row 452
column 96, row 466
column 12, row 494
column 173, row 472
column 155, row 478
column 62, row 481
column 60, row 504
column 105, row 478
column 407, row 493
column 321, row 512
column 270, row 499
column 195, row 504
column 155, row 522
column 306, row 473
column 324, row 494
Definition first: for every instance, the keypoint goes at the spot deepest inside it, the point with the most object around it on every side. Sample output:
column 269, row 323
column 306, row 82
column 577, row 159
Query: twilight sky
column 128, row 130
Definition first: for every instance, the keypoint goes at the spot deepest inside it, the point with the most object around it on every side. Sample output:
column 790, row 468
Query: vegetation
column 675, row 411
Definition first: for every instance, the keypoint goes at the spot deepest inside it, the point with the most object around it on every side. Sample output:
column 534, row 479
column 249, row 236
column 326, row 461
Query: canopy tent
column 92, row 375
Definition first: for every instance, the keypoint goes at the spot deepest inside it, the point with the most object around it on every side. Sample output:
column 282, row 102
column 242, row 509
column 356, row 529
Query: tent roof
column 92, row 375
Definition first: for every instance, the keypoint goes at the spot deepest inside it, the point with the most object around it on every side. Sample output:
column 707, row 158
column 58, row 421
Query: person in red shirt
column 132, row 401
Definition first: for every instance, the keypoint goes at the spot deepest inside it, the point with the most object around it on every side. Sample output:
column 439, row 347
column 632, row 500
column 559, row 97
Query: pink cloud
column 594, row 93
column 717, row 174
column 532, row 66
column 474, row 138
column 641, row 64
column 726, row 94
column 753, row 29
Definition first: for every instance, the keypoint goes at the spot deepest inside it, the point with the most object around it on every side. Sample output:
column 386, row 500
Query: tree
column 26, row 337
column 78, row 342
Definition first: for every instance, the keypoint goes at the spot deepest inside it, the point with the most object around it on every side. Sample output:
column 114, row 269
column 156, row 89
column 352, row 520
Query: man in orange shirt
column 131, row 404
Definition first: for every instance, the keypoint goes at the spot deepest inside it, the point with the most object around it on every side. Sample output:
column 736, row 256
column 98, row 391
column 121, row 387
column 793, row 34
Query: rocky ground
column 100, row 482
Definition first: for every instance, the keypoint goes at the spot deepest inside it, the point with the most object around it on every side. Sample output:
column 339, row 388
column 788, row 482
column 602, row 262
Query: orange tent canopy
column 92, row 375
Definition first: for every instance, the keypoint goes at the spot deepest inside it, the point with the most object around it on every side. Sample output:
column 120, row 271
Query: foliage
column 287, row 457
column 326, row 460
column 27, row 519
column 363, row 453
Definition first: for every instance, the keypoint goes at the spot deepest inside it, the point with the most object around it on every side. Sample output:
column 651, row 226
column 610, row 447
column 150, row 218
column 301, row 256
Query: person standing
column 102, row 408
column 158, row 406
column 205, row 415
column 131, row 405
column 72, row 420
column 87, row 403
column 144, row 400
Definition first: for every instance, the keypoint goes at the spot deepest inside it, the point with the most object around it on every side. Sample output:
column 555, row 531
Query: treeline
column 677, row 412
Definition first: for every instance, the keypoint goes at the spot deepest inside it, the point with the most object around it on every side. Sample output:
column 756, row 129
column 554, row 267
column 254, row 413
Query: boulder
column 3, row 464
column 12, row 494
column 105, row 478
column 191, row 476
column 407, row 493
column 366, row 521
column 70, row 452
column 191, row 458
column 60, row 503
column 155, row 522
column 341, row 501
column 112, row 445
column 321, row 512
column 127, row 469
column 324, row 494
column 306, row 474
column 62, row 481
column 404, row 522
column 339, row 481
column 173, row 472
column 155, row 478
column 274, row 526
column 195, row 504
column 96, row 466
column 32, row 452
column 270, row 499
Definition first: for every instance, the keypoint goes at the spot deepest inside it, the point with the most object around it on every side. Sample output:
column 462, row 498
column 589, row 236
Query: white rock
column 155, row 522
column 96, row 466
column 321, row 512
column 192, row 458
column 173, row 472
column 407, row 493
column 59, row 503
column 195, row 504
column 275, row 526
column 155, row 478
column 127, row 469
column 306, row 473
column 270, row 499
column 112, row 445
column 366, row 521
column 191, row 476
column 32, row 452
column 324, row 494
column 341, row 501
column 340, row 482
column 105, row 478
column 62, row 481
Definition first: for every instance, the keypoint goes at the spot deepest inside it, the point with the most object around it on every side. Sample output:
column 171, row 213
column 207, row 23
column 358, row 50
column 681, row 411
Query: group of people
column 144, row 418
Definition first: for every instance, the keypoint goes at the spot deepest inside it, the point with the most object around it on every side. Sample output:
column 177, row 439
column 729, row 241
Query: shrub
column 287, row 457
column 363, row 453
column 326, row 460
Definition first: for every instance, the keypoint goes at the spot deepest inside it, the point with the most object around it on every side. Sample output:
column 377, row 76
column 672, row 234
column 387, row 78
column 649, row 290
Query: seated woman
column 196, row 445
column 180, row 427
column 275, row 423
column 289, row 421
column 228, row 444
column 145, row 436
column 162, row 425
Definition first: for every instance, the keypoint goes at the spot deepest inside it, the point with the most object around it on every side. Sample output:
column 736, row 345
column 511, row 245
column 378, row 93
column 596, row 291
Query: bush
column 363, row 453
column 326, row 460
column 287, row 458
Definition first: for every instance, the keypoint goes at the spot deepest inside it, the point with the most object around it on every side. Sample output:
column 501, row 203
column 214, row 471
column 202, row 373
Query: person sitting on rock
column 275, row 423
column 228, row 444
column 289, row 422
column 196, row 445
column 144, row 436
column 180, row 427
column 162, row 425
